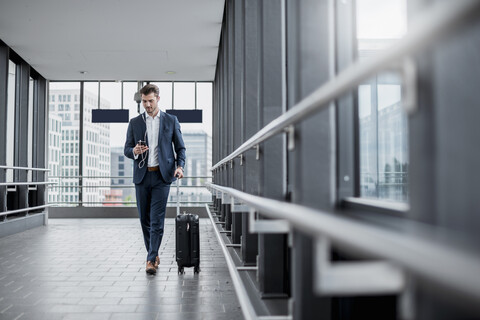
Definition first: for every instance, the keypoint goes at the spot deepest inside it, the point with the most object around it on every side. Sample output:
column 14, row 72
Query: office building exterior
column 121, row 171
column 65, row 105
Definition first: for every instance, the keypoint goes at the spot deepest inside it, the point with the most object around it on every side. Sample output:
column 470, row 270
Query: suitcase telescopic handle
column 178, row 195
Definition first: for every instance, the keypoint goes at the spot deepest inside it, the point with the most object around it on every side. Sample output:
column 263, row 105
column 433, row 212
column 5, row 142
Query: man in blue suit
column 151, row 139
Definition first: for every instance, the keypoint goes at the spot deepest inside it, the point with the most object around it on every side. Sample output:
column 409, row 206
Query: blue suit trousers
column 152, row 195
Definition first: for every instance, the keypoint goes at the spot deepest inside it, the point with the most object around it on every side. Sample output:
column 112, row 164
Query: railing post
column 249, row 242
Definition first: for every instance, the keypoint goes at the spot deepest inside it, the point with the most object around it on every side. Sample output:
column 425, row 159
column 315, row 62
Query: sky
column 381, row 19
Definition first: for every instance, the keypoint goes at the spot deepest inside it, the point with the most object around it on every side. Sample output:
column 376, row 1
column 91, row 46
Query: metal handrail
column 23, row 168
column 24, row 209
column 61, row 186
column 25, row 183
column 420, row 255
column 119, row 177
column 428, row 28
column 243, row 297
column 113, row 186
column 120, row 202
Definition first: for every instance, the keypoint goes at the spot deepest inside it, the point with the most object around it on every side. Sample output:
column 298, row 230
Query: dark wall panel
column 444, row 135
column 310, row 163
column 3, row 120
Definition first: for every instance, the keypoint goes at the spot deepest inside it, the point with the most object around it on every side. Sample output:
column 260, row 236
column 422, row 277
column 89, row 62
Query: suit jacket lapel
column 161, row 127
column 144, row 127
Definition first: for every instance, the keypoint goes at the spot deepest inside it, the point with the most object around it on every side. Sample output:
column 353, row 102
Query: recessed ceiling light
column 170, row 72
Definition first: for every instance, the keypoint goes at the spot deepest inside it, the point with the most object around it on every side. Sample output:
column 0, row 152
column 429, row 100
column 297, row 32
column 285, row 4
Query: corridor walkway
column 95, row 269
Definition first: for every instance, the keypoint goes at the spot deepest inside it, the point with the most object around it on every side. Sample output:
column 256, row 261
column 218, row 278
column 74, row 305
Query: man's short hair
column 149, row 88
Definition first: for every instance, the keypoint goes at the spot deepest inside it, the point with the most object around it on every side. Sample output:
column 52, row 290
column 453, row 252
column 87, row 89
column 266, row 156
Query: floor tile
column 95, row 269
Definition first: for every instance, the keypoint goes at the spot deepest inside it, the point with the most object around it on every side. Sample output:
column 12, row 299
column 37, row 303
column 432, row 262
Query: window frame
column 348, row 195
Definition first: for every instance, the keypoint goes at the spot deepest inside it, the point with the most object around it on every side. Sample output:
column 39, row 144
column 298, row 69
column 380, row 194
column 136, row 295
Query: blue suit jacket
column 169, row 137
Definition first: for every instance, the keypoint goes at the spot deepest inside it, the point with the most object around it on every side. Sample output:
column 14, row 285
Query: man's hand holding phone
column 179, row 173
column 140, row 148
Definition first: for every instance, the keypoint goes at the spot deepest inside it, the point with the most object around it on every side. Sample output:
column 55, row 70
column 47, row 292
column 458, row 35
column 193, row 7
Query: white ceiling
column 115, row 39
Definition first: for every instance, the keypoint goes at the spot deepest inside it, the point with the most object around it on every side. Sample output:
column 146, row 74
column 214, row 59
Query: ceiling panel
column 115, row 39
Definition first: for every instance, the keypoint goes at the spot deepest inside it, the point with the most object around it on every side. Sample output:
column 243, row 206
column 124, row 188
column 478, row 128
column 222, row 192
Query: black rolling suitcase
column 187, row 240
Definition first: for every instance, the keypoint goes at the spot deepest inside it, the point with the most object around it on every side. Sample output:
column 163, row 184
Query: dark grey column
column 251, row 123
column 223, row 115
column 217, row 113
column 224, row 106
column 305, row 304
column 3, row 121
column 238, row 106
column 251, row 78
column 229, row 107
column 230, row 91
column 236, row 227
column 21, row 131
column 40, row 138
column 310, row 167
column 32, row 195
column 272, row 259
column 443, row 138
column 237, row 97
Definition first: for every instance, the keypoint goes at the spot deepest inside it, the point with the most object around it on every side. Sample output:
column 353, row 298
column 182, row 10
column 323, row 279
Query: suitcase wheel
column 181, row 270
column 196, row 269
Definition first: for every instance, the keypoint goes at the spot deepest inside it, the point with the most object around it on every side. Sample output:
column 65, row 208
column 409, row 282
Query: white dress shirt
column 153, row 127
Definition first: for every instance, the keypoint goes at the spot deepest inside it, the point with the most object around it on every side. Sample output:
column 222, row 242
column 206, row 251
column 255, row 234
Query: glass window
column 97, row 151
column 103, row 142
column 31, row 83
column 111, row 95
column 204, row 102
column 11, row 118
column 383, row 134
column 184, row 95
column 165, row 89
column 64, row 131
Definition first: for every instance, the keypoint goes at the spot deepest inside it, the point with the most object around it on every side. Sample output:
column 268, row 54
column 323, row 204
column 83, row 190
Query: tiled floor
column 95, row 269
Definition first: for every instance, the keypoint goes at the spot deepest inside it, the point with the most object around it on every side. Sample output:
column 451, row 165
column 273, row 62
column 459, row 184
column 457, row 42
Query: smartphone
column 142, row 143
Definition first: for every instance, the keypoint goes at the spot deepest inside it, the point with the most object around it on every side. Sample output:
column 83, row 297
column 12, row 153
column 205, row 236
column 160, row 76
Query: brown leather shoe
column 157, row 262
column 150, row 269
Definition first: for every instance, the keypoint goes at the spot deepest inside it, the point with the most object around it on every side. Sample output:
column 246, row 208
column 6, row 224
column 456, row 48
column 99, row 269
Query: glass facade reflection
column 383, row 131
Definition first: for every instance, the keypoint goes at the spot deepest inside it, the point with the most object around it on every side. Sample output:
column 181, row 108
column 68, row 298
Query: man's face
column 150, row 103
